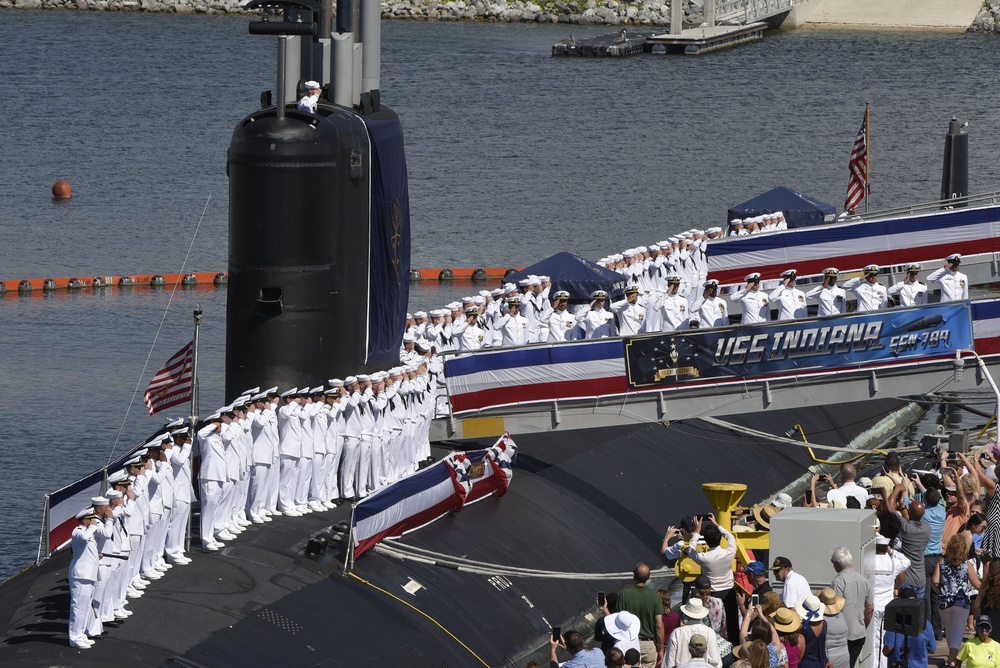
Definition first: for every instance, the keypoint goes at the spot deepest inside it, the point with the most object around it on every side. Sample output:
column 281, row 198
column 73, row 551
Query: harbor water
column 512, row 155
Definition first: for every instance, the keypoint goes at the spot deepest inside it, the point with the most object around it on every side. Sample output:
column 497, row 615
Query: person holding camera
column 717, row 565
column 954, row 284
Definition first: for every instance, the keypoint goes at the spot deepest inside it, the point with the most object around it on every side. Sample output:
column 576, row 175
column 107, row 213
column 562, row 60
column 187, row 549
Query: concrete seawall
column 956, row 15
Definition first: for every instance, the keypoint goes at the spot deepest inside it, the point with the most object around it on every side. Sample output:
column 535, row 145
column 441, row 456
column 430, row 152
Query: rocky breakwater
column 988, row 19
column 585, row 12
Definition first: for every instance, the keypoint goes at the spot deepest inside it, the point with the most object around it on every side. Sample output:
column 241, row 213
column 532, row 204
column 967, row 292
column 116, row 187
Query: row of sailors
column 266, row 454
column 670, row 310
column 832, row 299
column 768, row 222
column 684, row 256
column 307, row 449
column 131, row 535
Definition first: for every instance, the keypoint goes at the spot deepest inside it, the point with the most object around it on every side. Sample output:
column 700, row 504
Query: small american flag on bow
column 172, row 385
column 857, row 187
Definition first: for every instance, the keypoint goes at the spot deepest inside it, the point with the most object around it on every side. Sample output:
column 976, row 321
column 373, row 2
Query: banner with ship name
column 790, row 346
column 429, row 494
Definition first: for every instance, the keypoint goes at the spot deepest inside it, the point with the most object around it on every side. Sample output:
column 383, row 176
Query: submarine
column 319, row 259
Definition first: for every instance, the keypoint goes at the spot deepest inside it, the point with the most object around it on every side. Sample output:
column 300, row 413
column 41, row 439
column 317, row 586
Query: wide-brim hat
column 785, row 620
column 694, row 609
column 763, row 514
column 622, row 625
column 832, row 604
column 810, row 609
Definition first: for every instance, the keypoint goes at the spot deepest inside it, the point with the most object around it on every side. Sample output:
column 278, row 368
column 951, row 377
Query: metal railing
column 749, row 11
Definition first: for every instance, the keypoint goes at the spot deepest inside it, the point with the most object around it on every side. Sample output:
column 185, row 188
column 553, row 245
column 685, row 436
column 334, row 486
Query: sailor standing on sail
column 832, row 300
column 755, row 304
column 311, row 97
column 871, row 294
column 954, row 284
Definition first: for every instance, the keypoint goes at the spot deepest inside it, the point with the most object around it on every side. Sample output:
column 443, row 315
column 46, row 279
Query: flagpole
column 868, row 155
column 194, row 366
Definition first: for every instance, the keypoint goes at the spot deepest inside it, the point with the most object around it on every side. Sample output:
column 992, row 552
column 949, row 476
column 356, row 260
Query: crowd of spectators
column 937, row 543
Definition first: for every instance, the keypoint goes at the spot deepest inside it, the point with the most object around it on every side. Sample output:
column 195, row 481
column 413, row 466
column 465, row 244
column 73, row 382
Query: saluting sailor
column 910, row 291
column 832, row 299
column 562, row 323
column 631, row 316
column 871, row 294
column 674, row 308
column 712, row 310
column 594, row 320
column 512, row 326
column 791, row 301
column 755, row 304
column 83, row 574
column 954, row 284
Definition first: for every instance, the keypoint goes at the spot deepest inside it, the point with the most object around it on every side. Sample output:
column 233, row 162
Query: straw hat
column 832, row 604
column 810, row 610
column 763, row 514
column 785, row 620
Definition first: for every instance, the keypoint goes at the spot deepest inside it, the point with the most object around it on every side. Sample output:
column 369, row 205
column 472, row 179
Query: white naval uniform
column 713, row 312
column 954, row 284
column 791, row 302
column 755, row 305
column 911, row 293
column 871, row 296
column 513, row 329
column 290, row 450
column 562, row 326
column 84, row 571
column 596, row 324
column 631, row 317
column 831, row 300
column 212, row 477
column 675, row 313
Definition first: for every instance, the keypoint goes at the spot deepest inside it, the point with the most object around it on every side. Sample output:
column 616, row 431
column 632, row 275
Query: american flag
column 857, row 187
column 172, row 385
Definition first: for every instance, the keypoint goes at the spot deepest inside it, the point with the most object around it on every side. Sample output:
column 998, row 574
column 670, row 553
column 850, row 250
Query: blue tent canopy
column 575, row 275
column 799, row 210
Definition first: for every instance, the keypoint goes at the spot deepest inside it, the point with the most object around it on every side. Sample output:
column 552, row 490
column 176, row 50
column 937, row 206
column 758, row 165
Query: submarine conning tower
column 319, row 232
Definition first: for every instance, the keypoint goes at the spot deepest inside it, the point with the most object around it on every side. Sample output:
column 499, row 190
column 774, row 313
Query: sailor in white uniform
column 212, row 477
column 562, row 323
column 594, row 320
column 468, row 332
column 871, row 294
column 711, row 310
column 83, row 573
column 756, row 307
column 832, row 300
column 512, row 326
column 631, row 316
column 791, row 301
column 289, row 449
column 675, row 313
column 311, row 97
column 954, row 284
column 910, row 291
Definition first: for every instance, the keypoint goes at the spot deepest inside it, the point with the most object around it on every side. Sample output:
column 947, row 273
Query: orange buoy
column 61, row 190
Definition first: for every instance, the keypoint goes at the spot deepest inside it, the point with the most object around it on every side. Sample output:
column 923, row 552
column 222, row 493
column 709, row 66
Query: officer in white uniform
column 83, row 574
column 212, row 477
column 562, row 323
column 512, row 326
column 631, row 315
column 791, row 301
column 594, row 320
column 871, row 294
column 910, row 291
column 468, row 332
column 755, row 303
column 954, row 284
column 832, row 300
column 712, row 310
column 675, row 311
